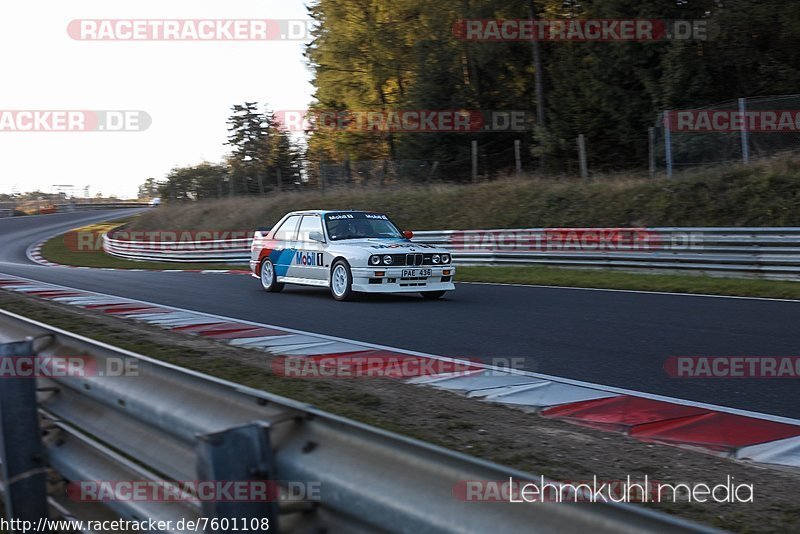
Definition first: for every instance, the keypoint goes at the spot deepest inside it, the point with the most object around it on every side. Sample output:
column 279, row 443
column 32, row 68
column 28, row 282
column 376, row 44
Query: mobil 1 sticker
column 309, row 259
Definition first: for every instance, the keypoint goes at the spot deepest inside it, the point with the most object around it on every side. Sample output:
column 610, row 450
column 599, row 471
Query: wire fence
column 738, row 130
column 732, row 131
column 472, row 160
column 376, row 171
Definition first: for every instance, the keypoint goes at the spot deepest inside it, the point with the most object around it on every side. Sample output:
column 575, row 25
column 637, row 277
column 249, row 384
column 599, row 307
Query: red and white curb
column 34, row 254
column 737, row 434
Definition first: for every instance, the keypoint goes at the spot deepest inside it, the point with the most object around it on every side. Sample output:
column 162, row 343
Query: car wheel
column 341, row 281
column 432, row 295
column 269, row 280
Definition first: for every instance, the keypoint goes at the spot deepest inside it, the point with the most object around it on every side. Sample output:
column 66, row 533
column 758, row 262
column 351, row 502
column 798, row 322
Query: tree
column 198, row 182
column 262, row 150
column 381, row 55
column 149, row 189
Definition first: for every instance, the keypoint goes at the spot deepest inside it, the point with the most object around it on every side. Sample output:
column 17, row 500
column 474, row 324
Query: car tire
column 341, row 281
column 432, row 295
column 269, row 280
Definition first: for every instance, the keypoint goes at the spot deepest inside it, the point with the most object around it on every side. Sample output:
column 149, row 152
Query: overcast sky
column 187, row 88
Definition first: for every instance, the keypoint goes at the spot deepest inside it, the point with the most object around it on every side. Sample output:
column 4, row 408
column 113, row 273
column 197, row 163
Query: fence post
column 242, row 454
column 434, row 168
column 667, row 143
column 651, row 151
column 517, row 156
column 745, row 135
column 474, row 161
column 582, row 157
column 23, row 472
column 348, row 175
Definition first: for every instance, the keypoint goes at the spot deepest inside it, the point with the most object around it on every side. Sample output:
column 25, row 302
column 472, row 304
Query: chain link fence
column 471, row 160
column 731, row 131
column 737, row 130
column 382, row 171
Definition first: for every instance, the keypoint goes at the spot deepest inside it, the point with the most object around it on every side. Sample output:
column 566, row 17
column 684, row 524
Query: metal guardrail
column 7, row 209
column 70, row 207
column 751, row 252
column 78, row 206
column 170, row 423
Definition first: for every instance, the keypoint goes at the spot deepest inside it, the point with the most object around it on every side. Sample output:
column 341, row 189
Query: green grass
column 674, row 283
column 57, row 251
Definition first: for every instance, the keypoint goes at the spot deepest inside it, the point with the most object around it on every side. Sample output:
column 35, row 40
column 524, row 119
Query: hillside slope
column 763, row 194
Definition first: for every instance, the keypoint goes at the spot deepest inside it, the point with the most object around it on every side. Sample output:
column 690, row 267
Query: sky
column 186, row 88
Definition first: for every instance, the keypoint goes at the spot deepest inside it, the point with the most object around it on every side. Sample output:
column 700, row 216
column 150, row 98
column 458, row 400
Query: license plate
column 415, row 273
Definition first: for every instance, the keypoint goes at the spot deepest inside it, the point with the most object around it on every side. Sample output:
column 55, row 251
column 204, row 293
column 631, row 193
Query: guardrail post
column 23, row 470
column 240, row 454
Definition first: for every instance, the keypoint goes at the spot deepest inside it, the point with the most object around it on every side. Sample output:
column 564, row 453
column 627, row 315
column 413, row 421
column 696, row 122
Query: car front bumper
column 392, row 280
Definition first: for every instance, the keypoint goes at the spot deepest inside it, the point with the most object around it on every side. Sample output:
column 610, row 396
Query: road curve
column 620, row 339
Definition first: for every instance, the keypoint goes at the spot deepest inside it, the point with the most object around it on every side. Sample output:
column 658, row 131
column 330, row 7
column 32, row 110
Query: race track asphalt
column 614, row 338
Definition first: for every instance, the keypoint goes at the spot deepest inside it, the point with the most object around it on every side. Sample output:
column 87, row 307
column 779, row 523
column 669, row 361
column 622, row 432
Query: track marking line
column 705, row 295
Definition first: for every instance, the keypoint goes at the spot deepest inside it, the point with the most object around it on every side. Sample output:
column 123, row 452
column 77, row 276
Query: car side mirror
column 408, row 234
column 316, row 236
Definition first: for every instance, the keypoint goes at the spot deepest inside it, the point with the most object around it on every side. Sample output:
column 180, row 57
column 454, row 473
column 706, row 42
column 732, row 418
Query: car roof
column 323, row 212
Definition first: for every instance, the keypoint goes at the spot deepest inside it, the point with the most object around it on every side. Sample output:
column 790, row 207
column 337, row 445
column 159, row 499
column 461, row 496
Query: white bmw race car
column 348, row 251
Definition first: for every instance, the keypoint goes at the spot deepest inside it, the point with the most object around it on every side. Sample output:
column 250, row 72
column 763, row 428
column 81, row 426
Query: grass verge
column 66, row 249
column 765, row 193
column 604, row 279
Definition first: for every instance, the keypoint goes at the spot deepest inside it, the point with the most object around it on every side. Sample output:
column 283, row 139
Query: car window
column 359, row 225
column 311, row 223
column 287, row 230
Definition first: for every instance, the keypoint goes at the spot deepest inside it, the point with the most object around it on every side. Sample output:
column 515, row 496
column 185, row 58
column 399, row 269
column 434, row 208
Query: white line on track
column 538, row 286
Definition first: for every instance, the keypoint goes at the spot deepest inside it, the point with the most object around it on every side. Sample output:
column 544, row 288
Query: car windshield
column 354, row 225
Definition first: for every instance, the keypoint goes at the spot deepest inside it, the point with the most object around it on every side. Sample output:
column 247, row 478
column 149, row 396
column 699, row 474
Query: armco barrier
column 751, row 252
column 168, row 423
column 69, row 207
column 77, row 206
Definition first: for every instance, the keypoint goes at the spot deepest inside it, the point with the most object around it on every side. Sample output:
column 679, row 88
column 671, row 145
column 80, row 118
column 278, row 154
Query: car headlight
column 436, row 259
column 375, row 260
column 445, row 258
column 387, row 260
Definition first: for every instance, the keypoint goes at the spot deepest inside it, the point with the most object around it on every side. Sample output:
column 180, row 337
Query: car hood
column 389, row 246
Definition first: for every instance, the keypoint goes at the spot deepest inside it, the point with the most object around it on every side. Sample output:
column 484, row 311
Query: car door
column 309, row 258
column 284, row 243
